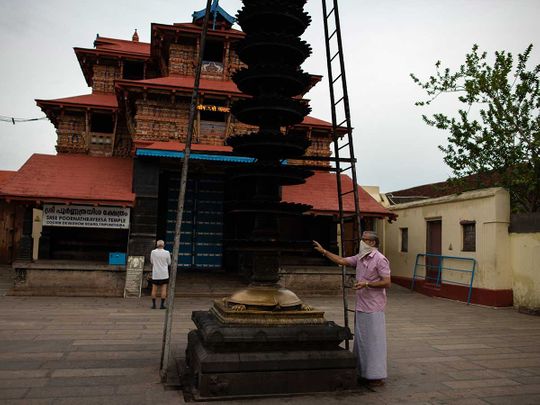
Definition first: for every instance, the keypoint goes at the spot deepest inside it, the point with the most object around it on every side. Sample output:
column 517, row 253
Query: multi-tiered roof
column 139, row 105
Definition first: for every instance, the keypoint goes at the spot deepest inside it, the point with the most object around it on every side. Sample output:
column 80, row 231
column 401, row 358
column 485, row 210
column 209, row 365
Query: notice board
column 134, row 275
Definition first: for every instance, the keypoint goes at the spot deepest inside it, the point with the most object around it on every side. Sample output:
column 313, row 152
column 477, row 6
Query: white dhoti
column 370, row 345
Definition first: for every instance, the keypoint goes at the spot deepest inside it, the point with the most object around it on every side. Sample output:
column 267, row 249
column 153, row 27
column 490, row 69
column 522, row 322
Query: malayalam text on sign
column 82, row 216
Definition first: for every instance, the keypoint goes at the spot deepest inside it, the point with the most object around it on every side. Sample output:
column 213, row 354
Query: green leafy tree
column 496, row 129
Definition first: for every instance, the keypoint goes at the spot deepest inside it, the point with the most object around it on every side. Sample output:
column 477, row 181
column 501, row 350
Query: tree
column 496, row 130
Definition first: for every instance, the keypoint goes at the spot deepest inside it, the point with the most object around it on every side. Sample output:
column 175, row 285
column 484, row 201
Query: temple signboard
column 83, row 216
column 215, row 108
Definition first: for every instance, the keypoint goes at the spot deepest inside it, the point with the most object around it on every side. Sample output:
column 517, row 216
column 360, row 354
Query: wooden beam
column 87, row 128
column 197, row 128
column 228, row 123
column 129, row 117
column 113, row 137
column 226, row 61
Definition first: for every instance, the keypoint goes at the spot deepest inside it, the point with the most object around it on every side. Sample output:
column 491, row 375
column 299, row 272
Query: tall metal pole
column 166, row 348
column 348, row 119
column 344, row 100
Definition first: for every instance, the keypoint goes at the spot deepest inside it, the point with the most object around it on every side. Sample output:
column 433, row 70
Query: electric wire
column 14, row 120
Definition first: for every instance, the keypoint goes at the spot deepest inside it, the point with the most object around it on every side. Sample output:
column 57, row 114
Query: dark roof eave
column 388, row 215
column 81, row 53
column 187, row 28
column 340, row 130
column 109, row 52
column 45, row 103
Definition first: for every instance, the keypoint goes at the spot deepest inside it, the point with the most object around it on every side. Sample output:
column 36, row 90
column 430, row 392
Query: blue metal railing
column 439, row 269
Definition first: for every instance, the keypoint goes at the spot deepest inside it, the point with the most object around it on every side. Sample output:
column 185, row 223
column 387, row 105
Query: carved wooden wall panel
column 104, row 77
column 182, row 59
column 71, row 133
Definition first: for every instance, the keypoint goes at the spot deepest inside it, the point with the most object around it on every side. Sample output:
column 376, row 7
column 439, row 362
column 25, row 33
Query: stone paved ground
column 106, row 351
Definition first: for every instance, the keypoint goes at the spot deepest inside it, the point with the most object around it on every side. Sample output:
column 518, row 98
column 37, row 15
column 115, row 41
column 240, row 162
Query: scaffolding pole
column 167, row 329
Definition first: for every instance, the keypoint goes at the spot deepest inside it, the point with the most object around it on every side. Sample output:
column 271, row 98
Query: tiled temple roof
column 73, row 179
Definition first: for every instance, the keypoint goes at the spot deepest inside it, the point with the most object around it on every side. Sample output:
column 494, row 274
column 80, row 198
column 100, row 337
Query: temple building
column 113, row 185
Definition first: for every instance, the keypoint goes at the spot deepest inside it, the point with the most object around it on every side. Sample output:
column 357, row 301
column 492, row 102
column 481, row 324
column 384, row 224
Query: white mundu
column 160, row 259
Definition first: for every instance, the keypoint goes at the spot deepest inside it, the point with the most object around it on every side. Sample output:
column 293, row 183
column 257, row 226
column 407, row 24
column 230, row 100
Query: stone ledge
column 68, row 265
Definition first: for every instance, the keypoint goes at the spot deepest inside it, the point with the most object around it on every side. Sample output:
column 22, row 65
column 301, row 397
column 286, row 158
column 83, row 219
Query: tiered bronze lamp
column 263, row 340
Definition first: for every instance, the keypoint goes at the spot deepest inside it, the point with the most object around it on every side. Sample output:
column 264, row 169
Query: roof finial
column 135, row 37
column 215, row 10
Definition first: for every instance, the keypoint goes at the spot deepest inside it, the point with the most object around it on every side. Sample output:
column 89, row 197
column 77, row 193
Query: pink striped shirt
column 372, row 267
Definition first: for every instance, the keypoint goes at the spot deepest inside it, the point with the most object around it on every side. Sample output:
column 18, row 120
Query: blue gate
column 201, row 240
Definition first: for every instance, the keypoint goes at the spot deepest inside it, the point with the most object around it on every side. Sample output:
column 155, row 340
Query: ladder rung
column 350, row 310
column 343, row 146
column 334, row 57
column 339, row 101
column 344, row 170
column 342, row 122
column 347, row 192
column 330, row 13
column 333, row 33
column 337, row 78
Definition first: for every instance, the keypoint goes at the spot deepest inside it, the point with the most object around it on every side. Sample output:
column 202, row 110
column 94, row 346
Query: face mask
column 365, row 249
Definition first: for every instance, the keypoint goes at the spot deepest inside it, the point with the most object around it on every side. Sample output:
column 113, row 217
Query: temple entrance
column 201, row 240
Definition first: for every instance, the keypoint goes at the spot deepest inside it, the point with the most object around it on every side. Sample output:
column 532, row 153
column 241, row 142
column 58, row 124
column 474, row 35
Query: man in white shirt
column 161, row 260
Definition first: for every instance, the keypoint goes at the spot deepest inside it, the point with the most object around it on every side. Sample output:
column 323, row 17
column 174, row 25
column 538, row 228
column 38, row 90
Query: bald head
column 160, row 244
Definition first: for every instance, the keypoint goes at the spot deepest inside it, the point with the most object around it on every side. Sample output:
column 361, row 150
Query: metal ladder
column 344, row 158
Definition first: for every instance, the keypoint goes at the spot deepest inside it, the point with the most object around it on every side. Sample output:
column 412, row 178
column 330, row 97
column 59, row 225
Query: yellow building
column 459, row 232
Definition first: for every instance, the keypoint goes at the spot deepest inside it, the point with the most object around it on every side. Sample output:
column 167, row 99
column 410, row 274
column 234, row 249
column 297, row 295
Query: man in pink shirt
column 372, row 280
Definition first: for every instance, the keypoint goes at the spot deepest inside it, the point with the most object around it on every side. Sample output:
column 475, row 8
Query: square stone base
column 265, row 361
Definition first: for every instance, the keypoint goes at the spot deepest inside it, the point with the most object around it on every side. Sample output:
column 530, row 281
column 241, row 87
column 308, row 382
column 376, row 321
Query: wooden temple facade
column 122, row 144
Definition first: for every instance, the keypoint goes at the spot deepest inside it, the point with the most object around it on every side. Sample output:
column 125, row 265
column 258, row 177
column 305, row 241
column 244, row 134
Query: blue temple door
column 201, row 239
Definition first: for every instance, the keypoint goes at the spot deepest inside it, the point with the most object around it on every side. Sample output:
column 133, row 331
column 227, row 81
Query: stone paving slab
column 107, row 350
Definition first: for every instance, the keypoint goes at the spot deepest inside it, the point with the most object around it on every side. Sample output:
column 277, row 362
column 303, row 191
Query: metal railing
column 440, row 268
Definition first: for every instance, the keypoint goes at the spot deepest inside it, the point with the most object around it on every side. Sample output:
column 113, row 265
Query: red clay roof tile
column 315, row 122
column 73, row 178
column 186, row 82
column 92, row 100
column 5, row 175
column 122, row 45
column 179, row 147
column 320, row 191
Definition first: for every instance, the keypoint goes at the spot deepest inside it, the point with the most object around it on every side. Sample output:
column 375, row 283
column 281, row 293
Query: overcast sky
column 384, row 41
